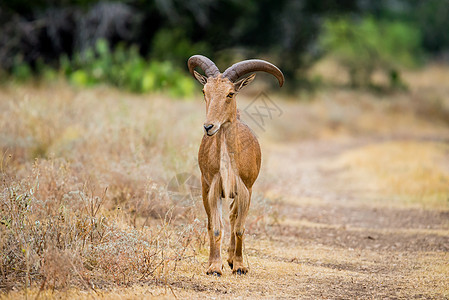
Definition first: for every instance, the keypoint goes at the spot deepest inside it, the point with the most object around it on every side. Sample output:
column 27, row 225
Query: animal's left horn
column 208, row 66
column 239, row 69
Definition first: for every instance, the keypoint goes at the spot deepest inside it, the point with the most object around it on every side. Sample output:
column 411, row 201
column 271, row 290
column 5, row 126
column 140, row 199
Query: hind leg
column 239, row 231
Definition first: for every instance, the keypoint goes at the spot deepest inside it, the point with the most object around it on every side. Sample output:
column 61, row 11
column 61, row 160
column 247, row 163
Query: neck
column 228, row 136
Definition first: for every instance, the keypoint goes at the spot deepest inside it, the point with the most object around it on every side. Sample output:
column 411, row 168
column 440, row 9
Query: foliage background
column 294, row 34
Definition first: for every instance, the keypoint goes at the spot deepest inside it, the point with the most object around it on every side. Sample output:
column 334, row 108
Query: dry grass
column 351, row 201
column 409, row 171
column 84, row 200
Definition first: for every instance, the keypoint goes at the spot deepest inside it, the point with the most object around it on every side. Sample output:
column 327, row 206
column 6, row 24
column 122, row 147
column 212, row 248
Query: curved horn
column 239, row 69
column 208, row 66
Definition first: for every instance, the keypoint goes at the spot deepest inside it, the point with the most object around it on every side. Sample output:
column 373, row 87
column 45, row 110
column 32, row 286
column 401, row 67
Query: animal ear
column 244, row 82
column 201, row 78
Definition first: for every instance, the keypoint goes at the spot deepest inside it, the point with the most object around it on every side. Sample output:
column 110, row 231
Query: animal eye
column 203, row 92
column 230, row 95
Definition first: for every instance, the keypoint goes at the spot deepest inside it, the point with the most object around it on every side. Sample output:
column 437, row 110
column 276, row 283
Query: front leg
column 213, row 205
column 215, row 264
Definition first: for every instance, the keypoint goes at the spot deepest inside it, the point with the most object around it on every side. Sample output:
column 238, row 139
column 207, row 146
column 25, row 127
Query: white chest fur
column 228, row 171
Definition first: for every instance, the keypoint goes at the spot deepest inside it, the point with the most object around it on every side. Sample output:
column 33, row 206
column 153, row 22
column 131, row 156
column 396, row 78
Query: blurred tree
column 285, row 31
column 170, row 29
column 431, row 17
column 366, row 45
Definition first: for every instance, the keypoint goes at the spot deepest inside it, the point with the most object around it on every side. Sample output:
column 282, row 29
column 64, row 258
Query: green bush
column 122, row 67
column 127, row 69
column 368, row 45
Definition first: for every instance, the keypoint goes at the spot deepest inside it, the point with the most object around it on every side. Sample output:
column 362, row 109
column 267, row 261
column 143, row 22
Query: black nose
column 208, row 127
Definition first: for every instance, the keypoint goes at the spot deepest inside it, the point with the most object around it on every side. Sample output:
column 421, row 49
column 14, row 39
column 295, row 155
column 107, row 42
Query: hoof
column 240, row 271
column 215, row 269
column 231, row 265
column 213, row 273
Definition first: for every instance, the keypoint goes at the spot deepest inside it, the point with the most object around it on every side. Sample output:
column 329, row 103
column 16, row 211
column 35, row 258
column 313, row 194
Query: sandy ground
column 333, row 241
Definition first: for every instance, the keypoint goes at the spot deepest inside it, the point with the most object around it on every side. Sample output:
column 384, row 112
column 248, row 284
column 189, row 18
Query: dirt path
column 332, row 241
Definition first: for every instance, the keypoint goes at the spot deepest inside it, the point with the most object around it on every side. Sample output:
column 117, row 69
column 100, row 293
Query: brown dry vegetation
column 352, row 200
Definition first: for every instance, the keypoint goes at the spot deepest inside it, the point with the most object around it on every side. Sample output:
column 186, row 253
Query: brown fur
column 229, row 155
column 229, row 160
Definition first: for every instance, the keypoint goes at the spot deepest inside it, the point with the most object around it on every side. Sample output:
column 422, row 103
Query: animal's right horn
column 208, row 66
column 239, row 69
